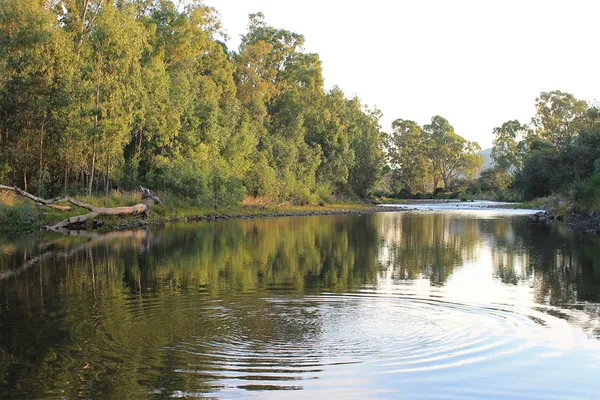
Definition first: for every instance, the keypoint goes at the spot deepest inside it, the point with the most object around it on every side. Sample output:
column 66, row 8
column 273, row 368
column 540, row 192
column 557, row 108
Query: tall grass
column 115, row 198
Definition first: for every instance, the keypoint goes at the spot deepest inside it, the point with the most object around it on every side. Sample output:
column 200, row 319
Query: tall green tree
column 509, row 145
column 451, row 155
column 558, row 117
column 408, row 150
column 98, row 94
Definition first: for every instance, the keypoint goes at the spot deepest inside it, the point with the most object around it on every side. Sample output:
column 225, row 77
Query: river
column 436, row 303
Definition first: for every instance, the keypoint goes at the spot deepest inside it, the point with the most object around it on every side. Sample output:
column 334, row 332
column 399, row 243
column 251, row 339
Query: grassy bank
column 19, row 215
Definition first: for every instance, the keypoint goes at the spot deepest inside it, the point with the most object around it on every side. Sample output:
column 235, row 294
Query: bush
column 492, row 180
column 20, row 217
column 324, row 192
column 224, row 191
column 214, row 187
column 261, row 180
column 590, row 196
column 302, row 197
column 542, row 174
column 182, row 177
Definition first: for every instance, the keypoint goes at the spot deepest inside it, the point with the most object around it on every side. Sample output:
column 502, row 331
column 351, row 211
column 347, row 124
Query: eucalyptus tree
column 451, row 155
column 102, row 93
column 367, row 141
column 510, row 145
column 408, row 150
column 34, row 66
column 558, row 117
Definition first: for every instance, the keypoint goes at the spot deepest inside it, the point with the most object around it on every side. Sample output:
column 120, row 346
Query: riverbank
column 253, row 212
column 19, row 215
column 586, row 222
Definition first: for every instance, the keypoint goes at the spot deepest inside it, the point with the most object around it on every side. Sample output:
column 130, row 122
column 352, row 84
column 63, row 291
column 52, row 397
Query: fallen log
column 48, row 203
column 136, row 209
column 93, row 210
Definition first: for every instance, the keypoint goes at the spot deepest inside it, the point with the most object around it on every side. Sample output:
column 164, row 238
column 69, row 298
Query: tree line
column 98, row 95
column 427, row 157
column 104, row 94
column 558, row 152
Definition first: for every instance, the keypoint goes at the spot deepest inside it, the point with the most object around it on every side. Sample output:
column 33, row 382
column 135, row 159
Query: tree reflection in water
column 120, row 314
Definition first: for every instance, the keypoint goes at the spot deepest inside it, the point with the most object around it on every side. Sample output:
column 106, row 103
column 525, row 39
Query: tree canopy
column 433, row 153
column 559, row 152
column 104, row 94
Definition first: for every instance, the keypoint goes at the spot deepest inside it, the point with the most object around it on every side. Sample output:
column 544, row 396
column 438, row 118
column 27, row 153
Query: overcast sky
column 476, row 63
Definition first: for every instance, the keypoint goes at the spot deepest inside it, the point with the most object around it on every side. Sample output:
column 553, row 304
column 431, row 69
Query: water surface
column 422, row 305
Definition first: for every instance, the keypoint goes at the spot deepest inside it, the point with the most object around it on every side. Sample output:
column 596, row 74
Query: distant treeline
column 104, row 94
column 424, row 158
column 557, row 153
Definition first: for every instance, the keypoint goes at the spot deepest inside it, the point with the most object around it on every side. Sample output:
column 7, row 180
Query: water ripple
column 292, row 341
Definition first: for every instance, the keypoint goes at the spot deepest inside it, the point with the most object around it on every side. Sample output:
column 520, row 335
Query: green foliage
column 508, row 150
column 435, row 152
column 184, row 177
column 20, row 217
column 103, row 95
column 555, row 155
column 302, row 196
column 547, row 169
column 493, row 179
column 408, row 155
column 590, row 196
column 224, row 190
column 558, row 117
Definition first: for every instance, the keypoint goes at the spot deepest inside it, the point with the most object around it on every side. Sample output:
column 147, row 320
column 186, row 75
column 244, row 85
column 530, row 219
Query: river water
column 438, row 303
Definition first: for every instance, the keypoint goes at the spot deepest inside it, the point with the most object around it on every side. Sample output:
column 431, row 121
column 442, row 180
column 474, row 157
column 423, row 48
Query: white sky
column 476, row 63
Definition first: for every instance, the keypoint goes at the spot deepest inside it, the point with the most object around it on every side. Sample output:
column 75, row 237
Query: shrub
column 302, row 197
column 20, row 217
column 324, row 192
column 590, row 196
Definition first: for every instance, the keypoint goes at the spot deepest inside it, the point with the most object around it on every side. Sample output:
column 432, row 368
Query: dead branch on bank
column 93, row 210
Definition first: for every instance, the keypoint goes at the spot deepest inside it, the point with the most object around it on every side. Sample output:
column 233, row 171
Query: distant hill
column 487, row 158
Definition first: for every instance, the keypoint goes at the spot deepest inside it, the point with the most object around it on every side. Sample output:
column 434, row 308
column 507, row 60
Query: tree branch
column 94, row 211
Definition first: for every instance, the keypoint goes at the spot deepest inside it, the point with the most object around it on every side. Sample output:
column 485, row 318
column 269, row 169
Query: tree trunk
column 67, row 164
column 445, row 178
column 91, row 176
column 94, row 138
column 41, row 150
column 106, row 170
column 40, row 185
column 25, row 169
column 66, row 176
column 5, row 147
